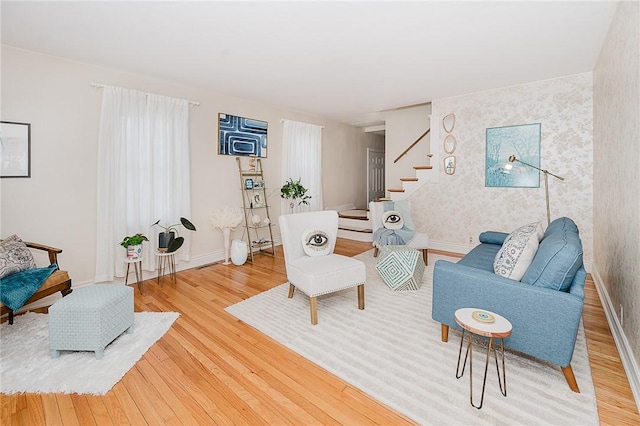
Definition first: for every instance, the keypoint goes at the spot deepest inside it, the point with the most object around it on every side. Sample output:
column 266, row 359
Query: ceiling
column 344, row 60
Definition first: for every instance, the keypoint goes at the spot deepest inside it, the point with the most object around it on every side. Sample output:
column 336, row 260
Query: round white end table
column 486, row 324
column 137, row 267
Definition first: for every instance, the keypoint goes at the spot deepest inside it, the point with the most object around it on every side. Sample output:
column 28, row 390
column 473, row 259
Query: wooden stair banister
column 412, row 145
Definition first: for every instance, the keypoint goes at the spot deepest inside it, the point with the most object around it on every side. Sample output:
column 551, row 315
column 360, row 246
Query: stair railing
column 412, row 145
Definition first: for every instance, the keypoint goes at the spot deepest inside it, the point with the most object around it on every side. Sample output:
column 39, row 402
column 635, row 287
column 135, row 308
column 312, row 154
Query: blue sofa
column 544, row 308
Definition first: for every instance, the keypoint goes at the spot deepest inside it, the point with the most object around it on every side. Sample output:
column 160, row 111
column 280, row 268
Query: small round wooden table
column 487, row 324
column 166, row 261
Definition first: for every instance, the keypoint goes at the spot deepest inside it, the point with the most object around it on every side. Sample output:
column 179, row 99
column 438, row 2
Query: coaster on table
column 483, row 316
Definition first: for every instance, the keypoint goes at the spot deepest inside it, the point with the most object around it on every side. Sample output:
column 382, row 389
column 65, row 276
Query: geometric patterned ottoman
column 90, row 318
column 400, row 267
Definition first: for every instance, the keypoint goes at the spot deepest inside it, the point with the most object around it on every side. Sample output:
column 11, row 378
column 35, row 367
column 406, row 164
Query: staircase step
column 422, row 167
column 409, row 179
column 354, row 229
column 395, row 190
column 354, row 214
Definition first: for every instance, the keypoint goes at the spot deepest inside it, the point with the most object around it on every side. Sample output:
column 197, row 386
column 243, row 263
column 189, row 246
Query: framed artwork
column 248, row 184
column 15, row 150
column 241, row 136
column 523, row 141
column 257, row 201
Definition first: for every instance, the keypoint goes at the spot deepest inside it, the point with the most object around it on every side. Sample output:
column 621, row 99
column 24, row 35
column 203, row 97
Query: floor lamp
column 513, row 159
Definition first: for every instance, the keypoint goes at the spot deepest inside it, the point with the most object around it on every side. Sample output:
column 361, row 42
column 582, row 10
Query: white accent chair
column 318, row 275
column 419, row 242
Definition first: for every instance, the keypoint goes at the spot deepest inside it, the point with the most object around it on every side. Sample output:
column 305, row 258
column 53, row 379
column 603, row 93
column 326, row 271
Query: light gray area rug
column 26, row 364
column 393, row 352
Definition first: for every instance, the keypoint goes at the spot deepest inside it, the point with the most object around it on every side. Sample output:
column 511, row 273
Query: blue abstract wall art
column 242, row 136
column 523, row 141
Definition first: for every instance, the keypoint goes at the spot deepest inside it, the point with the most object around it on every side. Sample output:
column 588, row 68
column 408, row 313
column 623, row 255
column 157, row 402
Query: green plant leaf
column 175, row 244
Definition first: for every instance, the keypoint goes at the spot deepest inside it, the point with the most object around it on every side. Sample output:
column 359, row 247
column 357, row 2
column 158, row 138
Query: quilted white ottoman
column 90, row 318
column 401, row 267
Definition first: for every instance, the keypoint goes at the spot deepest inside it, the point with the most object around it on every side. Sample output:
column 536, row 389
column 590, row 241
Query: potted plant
column 293, row 190
column 167, row 240
column 133, row 244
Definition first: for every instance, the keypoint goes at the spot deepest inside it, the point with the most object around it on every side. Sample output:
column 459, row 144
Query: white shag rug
column 26, row 364
column 392, row 351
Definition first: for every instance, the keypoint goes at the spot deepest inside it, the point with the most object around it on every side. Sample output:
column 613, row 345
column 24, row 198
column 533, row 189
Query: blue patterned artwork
column 242, row 136
column 523, row 141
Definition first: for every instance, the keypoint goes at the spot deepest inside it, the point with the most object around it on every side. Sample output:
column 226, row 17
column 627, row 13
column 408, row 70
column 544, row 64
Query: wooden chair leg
column 292, row 288
column 570, row 378
column 444, row 331
column 375, row 252
column 313, row 303
column 361, row 296
column 425, row 256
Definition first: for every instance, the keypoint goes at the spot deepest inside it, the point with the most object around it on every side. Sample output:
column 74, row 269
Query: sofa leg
column 313, row 304
column 292, row 288
column 10, row 317
column 375, row 252
column 444, row 331
column 571, row 379
column 361, row 296
column 425, row 256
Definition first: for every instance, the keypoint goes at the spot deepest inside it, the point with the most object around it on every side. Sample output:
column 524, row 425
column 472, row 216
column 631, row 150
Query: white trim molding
column 622, row 344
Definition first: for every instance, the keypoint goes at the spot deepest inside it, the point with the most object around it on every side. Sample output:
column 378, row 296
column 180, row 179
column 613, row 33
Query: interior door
column 375, row 174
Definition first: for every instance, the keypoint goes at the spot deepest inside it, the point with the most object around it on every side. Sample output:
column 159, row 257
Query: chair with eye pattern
column 377, row 210
column 308, row 241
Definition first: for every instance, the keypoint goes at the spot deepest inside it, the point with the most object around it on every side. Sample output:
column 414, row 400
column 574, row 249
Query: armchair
column 58, row 281
column 323, row 272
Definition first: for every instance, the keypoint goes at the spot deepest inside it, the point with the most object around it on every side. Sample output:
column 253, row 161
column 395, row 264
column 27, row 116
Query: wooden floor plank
column 211, row 368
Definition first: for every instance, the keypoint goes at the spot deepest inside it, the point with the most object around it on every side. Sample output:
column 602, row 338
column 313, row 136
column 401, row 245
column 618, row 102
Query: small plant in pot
column 133, row 244
column 292, row 191
column 167, row 240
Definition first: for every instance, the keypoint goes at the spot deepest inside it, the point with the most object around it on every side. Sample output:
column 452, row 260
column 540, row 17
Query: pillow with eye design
column 315, row 242
column 392, row 220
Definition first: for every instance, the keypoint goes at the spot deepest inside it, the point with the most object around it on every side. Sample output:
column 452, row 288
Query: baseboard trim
column 622, row 344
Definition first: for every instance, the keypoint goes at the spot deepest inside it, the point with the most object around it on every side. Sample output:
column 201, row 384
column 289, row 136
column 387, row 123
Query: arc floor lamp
column 509, row 165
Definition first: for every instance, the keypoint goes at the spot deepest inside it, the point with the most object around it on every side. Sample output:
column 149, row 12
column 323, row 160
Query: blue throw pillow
column 558, row 259
column 16, row 289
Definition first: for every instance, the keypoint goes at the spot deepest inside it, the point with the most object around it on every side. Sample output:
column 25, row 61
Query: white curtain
column 302, row 159
column 143, row 174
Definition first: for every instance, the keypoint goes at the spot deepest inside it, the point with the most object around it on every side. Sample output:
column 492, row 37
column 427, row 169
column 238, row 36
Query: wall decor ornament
column 15, row 150
column 522, row 141
column 449, row 122
column 450, row 164
column 450, row 144
column 241, row 136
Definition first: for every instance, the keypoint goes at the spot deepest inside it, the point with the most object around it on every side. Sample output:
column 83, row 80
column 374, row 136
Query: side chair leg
column 361, row 296
column 375, row 252
column 313, row 303
column 425, row 256
column 10, row 317
column 292, row 288
column 444, row 331
column 571, row 379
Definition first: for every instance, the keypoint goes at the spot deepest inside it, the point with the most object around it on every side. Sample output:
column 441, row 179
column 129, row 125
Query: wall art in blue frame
column 523, row 141
column 241, row 136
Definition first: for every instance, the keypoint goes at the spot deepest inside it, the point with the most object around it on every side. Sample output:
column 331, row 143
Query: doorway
column 375, row 174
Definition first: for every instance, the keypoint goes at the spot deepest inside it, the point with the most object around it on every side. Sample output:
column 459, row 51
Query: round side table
column 166, row 260
column 137, row 267
column 487, row 324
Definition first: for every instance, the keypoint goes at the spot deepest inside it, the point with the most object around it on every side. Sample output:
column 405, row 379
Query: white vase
column 134, row 252
column 226, row 235
column 238, row 252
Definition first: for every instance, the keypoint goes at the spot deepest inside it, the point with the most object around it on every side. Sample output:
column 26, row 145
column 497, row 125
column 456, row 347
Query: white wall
column 459, row 207
column 617, row 175
column 57, row 205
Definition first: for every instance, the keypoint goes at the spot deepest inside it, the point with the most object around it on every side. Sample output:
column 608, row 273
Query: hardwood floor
column 211, row 368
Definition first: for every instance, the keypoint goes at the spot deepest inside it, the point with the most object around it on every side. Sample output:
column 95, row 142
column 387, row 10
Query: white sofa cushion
column 517, row 252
